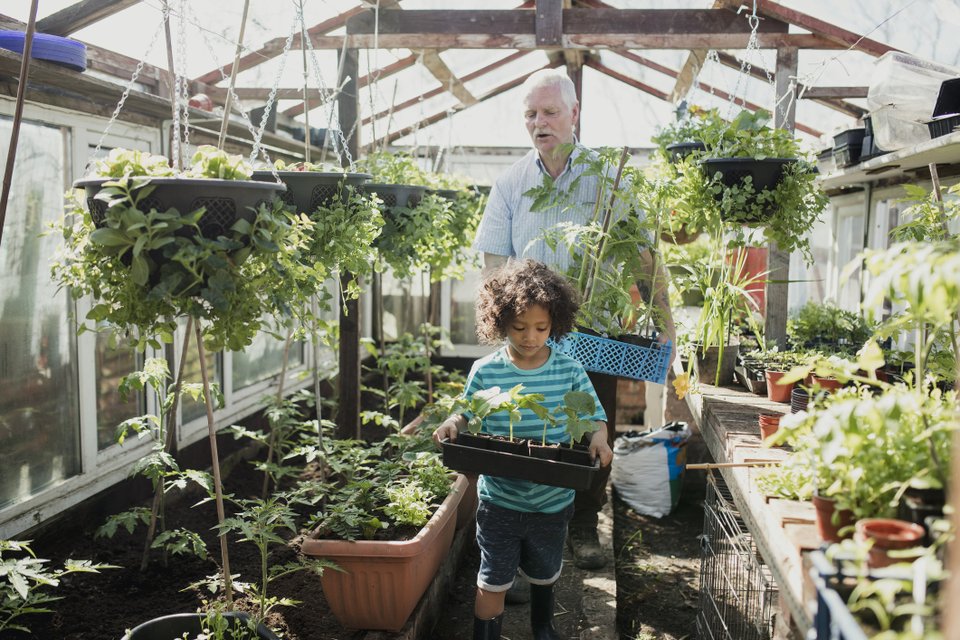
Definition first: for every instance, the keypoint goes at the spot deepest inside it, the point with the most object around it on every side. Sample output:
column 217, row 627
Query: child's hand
column 599, row 447
column 449, row 429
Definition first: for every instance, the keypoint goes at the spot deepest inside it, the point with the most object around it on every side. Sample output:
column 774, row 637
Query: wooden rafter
column 633, row 82
column 690, row 69
column 82, row 14
column 438, row 69
column 316, row 96
column 629, row 55
column 406, row 104
column 441, row 115
column 831, row 32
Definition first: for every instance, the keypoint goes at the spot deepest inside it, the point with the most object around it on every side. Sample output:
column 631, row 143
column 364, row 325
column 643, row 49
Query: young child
column 522, row 524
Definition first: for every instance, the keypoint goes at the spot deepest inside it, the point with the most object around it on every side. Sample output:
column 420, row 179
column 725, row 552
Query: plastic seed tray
column 468, row 458
column 616, row 357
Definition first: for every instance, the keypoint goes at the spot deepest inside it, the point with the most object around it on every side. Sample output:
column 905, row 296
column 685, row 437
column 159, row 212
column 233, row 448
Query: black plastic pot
column 225, row 201
column 449, row 194
column 178, row 624
column 765, row 174
column 308, row 190
column 396, row 196
column 680, row 150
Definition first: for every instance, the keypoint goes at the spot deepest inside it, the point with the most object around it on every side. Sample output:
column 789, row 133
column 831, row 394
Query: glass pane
column 263, row 359
column 463, row 295
column 404, row 304
column 113, row 363
column 39, row 414
column 190, row 409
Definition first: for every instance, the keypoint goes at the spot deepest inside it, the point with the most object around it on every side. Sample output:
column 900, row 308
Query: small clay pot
column 826, row 384
column 829, row 529
column 775, row 391
column 769, row 424
column 887, row 534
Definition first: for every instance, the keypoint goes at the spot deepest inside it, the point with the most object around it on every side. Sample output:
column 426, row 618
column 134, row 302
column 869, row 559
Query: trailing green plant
column 393, row 168
column 144, row 270
column 27, row 583
column 689, row 126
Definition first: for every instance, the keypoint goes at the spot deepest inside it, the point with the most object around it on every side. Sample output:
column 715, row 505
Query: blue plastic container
column 617, row 358
column 63, row 51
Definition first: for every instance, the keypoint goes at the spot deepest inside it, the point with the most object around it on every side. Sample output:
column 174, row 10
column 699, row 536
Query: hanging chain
column 273, row 90
column 124, row 95
column 339, row 142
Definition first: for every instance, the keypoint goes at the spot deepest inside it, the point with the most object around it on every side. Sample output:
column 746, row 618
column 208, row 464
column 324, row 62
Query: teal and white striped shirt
column 509, row 228
column 558, row 375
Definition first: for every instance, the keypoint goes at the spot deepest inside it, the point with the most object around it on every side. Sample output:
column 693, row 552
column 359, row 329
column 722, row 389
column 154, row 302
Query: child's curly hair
column 511, row 289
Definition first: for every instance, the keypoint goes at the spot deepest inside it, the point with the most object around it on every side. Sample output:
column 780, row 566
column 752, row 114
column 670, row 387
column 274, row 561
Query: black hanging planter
column 189, row 625
column 396, row 196
column 447, row 194
column 765, row 175
column 680, row 150
column 309, row 190
column 226, row 201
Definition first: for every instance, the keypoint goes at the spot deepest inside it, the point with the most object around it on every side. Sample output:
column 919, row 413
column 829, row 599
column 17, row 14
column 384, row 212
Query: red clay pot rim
column 890, row 529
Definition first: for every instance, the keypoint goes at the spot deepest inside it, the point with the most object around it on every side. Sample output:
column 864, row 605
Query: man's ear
column 576, row 112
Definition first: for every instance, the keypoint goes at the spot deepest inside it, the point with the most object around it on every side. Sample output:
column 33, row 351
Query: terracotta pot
column 775, row 391
column 769, row 424
column 826, row 384
column 382, row 581
column 887, row 534
column 828, row 526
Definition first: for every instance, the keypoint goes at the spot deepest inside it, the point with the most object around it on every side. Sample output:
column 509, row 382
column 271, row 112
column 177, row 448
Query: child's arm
column 450, row 428
column 598, row 445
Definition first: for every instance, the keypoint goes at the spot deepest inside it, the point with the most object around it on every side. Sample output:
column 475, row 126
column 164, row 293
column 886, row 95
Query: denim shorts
column 508, row 540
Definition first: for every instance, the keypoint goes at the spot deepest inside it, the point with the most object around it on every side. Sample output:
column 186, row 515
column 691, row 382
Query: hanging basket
column 309, row 190
column 447, row 194
column 680, row 150
column 225, row 201
column 396, row 196
column 765, row 175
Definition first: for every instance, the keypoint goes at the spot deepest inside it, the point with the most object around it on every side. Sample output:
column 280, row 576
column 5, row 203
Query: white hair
column 552, row 78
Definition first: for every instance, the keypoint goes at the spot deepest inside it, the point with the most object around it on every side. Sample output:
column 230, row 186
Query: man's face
column 549, row 120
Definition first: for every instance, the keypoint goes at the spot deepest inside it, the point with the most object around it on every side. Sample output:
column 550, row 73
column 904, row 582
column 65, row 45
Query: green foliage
column 393, row 168
column 575, row 405
column 210, row 162
column 927, row 218
column 689, row 126
column 123, row 163
column 864, row 450
column 606, row 260
column 26, row 582
column 826, row 324
column 322, row 167
column 145, row 268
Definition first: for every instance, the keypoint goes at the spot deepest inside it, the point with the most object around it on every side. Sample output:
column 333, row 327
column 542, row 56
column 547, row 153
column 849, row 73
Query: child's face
column 527, row 336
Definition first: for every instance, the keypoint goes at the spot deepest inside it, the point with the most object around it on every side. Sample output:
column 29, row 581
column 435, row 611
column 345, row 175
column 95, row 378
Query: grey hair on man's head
column 552, row 77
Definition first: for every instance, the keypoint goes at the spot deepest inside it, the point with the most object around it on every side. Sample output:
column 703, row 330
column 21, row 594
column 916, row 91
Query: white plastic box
column 901, row 97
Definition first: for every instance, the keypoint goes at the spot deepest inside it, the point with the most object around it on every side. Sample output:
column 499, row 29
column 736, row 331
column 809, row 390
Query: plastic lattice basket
column 616, row 357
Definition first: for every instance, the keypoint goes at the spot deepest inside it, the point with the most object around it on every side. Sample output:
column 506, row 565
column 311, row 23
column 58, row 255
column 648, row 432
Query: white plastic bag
column 648, row 468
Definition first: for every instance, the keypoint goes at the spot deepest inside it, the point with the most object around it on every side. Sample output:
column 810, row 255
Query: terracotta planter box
column 573, row 470
column 382, row 581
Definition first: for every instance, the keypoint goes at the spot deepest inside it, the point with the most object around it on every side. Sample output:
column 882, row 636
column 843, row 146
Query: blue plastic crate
column 617, row 358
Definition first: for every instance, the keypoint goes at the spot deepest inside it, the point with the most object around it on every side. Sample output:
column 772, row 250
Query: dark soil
column 657, row 564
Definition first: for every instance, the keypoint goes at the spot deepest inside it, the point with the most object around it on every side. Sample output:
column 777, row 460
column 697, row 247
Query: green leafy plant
column 577, row 404
column 26, row 582
column 824, row 323
column 393, row 168
column 210, row 162
column 928, row 217
column 124, row 163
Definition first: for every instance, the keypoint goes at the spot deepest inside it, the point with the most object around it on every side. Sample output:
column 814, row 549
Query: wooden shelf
column 942, row 150
column 781, row 529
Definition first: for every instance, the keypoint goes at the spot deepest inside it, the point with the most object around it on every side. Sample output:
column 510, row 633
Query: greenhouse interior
column 522, row 319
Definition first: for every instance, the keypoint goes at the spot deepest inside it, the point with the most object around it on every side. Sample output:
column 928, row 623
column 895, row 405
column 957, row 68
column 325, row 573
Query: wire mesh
column 737, row 592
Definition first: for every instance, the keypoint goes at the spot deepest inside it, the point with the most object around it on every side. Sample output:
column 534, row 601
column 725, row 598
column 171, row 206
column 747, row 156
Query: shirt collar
column 577, row 150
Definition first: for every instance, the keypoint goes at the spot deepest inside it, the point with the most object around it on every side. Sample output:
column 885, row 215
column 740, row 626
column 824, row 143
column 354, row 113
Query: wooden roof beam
column 262, row 93
column 438, row 69
column 633, row 82
column 516, row 55
column 832, row 101
column 437, row 117
column 838, row 35
column 82, row 14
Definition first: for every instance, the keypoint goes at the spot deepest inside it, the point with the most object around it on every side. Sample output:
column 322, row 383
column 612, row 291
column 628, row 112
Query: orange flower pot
column 775, row 391
column 382, row 581
column 769, row 424
column 827, row 526
column 887, row 534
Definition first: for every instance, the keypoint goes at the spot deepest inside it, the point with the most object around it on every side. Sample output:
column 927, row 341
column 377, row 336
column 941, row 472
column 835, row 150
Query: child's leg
column 541, row 561
column 499, row 542
column 489, row 604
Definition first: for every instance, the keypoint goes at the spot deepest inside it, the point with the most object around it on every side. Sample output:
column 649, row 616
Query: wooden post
column 778, row 261
column 348, row 414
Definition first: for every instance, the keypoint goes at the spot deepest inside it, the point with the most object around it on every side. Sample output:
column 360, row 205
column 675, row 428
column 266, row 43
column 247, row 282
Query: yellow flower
column 681, row 385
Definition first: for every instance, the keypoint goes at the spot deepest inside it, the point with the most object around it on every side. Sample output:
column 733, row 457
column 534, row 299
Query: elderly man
column 510, row 230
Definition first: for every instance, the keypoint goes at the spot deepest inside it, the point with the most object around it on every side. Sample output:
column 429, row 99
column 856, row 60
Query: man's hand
column 449, row 429
column 599, row 447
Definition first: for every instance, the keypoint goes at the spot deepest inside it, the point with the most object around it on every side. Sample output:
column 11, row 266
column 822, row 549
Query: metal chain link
column 124, row 96
column 340, row 145
column 298, row 18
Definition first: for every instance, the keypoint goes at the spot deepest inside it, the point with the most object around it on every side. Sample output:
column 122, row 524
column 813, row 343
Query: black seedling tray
column 471, row 459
